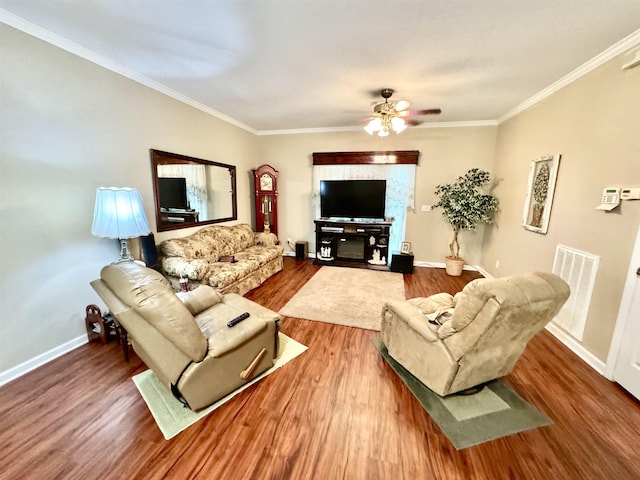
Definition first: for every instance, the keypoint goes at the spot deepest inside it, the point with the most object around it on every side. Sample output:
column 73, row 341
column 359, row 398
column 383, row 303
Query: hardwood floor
column 336, row 412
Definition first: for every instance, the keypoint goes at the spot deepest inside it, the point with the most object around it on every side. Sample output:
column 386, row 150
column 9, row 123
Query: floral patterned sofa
column 204, row 258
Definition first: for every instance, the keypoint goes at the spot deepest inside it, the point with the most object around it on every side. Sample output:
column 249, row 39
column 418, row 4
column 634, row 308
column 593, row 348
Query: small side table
column 104, row 327
column 402, row 262
column 98, row 327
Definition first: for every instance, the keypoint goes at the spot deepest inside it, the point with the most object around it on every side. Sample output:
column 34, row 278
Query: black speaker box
column 301, row 250
column 402, row 263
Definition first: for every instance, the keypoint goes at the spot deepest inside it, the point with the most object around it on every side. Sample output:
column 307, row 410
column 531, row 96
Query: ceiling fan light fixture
column 398, row 124
column 373, row 126
column 389, row 115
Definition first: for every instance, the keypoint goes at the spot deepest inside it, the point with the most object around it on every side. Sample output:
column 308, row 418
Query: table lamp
column 119, row 214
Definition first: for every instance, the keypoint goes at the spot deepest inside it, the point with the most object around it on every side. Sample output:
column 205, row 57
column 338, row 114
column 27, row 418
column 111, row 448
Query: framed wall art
column 542, row 183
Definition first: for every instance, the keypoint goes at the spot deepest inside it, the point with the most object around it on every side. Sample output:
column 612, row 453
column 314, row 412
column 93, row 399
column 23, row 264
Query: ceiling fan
column 393, row 115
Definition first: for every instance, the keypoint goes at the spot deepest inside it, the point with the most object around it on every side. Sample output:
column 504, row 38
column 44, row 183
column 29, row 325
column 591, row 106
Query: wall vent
column 579, row 270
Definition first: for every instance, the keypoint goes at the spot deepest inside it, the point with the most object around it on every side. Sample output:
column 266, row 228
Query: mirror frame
column 159, row 157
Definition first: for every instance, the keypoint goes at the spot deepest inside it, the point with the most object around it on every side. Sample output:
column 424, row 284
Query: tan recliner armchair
column 454, row 343
column 184, row 337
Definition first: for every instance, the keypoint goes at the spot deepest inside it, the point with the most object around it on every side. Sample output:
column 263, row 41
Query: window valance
column 392, row 157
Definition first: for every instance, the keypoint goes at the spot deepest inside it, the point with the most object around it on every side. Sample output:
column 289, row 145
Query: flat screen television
column 173, row 192
column 353, row 198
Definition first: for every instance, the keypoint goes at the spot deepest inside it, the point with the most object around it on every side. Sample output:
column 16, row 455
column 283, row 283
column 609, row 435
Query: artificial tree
column 464, row 205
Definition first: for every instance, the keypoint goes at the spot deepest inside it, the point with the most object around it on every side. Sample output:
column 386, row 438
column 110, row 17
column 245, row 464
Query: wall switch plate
column 426, row 208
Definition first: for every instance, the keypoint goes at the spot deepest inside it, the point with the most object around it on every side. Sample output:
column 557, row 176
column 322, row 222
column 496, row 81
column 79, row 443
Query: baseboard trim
column 472, row 268
column 577, row 348
column 35, row 362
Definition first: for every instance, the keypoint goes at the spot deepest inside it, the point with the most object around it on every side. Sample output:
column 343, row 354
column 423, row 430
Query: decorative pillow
column 265, row 239
column 438, row 302
column 200, row 298
column 178, row 266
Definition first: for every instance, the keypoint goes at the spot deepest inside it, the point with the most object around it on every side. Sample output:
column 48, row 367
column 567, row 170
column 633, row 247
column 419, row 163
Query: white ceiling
column 274, row 65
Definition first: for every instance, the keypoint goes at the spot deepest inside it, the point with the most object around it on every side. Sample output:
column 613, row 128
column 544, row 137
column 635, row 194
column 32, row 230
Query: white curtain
column 399, row 195
column 196, row 177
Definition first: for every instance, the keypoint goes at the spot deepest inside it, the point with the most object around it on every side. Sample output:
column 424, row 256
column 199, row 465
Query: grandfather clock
column 265, row 180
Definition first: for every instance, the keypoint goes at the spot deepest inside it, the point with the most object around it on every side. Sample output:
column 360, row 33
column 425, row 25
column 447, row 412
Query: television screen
column 352, row 198
column 173, row 192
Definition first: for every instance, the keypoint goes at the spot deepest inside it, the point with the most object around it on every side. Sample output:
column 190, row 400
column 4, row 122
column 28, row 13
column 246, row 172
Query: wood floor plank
column 338, row 411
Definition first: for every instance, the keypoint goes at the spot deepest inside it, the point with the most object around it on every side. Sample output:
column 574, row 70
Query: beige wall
column 68, row 126
column 595, row 124
column 445, row 153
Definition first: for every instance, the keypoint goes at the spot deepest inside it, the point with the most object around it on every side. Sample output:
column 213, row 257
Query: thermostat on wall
column 630, row 194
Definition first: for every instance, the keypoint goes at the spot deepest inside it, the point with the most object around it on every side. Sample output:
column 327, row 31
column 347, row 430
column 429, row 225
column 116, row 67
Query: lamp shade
column 118, row 213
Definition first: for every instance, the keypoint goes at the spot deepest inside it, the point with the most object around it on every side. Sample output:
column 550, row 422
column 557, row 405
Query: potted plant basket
column 465, row 203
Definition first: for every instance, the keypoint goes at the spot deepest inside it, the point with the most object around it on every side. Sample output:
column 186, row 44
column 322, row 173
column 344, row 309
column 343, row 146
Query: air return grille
column 579, row 270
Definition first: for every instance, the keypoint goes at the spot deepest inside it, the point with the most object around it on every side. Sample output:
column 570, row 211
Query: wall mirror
column 191, row 191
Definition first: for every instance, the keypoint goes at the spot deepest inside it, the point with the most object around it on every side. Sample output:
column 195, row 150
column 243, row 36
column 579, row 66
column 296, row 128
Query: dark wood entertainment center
column 357, row 243
column 353, row 243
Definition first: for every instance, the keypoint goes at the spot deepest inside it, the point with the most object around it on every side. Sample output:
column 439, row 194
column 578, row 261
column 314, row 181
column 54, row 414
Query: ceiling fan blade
column 417, row 113
column 412, row 123
column 428, row 111
column 402, row 105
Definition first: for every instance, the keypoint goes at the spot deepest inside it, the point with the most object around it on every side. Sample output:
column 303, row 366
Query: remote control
column 237, row 320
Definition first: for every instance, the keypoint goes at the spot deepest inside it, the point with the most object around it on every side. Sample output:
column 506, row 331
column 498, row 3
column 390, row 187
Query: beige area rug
column 172, row 417
column 346, row 296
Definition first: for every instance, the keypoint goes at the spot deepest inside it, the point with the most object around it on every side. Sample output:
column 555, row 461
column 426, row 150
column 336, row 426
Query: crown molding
column 616, row 49
column 48, row 36
column 300, row 131
column 462, row 124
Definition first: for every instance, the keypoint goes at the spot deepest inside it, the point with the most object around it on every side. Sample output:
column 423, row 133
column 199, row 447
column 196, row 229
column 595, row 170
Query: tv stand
column 353, row 243
column 179, row 216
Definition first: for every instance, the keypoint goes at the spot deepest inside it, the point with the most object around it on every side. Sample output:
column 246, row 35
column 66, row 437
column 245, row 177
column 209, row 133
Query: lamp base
column 125, row 254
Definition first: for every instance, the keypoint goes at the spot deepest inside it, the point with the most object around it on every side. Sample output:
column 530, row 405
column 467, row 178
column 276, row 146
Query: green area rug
column 467, row 420
column 172, row 416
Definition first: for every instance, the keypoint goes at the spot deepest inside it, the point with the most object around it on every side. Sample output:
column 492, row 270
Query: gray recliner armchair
column 184, row 338
column 454, row 343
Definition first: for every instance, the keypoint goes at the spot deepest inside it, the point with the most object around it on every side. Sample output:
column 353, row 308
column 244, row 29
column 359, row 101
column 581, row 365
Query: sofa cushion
column 233, row 239
column 265, row 239
column 193, row 247
column 200, row 298
column 222, row 274
column 210, row 243
column 195, row 269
